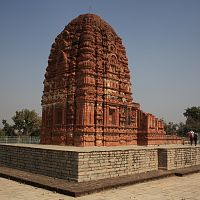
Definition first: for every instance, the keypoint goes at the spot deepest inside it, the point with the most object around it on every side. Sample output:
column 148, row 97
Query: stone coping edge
column 96, row 149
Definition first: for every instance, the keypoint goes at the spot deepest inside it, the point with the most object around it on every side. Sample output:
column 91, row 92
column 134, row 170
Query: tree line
column 192, row 122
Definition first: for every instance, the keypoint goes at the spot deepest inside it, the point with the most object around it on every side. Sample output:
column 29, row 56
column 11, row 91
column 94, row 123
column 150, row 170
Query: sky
column 161, row 37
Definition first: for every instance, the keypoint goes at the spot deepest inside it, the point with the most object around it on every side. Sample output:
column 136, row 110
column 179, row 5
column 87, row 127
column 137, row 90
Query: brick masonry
column 87, row 98
column 85, row 164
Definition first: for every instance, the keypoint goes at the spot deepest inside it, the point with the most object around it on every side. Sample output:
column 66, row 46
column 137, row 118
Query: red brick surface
column 87, row 99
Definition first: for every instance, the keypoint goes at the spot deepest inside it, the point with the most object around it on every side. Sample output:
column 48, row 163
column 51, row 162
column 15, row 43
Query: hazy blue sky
column 162, row 40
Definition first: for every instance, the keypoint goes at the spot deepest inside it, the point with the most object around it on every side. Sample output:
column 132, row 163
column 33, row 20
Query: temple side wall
column 85, row 165
column 157, row 139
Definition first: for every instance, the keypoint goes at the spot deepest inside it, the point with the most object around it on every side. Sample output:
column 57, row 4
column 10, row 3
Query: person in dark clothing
column 195, row 138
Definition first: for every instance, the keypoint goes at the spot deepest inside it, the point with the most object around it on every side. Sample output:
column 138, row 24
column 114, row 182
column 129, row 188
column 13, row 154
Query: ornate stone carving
column 87, row 97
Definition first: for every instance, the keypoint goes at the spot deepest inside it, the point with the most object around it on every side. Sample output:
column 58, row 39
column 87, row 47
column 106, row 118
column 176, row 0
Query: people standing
column 195, row 138
column 191, row 136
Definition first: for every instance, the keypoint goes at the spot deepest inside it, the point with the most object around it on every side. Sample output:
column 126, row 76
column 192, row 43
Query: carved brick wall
column 87, row 99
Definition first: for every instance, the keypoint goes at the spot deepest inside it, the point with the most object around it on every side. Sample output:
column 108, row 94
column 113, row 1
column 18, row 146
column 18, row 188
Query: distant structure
column 87, row 99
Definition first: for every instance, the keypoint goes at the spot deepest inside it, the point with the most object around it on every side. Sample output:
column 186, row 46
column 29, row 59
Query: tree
column 192, row 123
column 2, row 133
column 26, row 122
column 182, row 130
column 8, row 129
column 170, row 128
column 178, row 129
column 193, row 118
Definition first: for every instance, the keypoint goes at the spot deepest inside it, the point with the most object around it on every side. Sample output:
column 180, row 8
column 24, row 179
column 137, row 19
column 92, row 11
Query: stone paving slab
column 169, row 188
column 76, row 189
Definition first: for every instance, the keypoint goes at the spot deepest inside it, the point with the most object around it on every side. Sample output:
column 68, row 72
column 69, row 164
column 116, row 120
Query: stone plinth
column 79, row 164
column 94, row 163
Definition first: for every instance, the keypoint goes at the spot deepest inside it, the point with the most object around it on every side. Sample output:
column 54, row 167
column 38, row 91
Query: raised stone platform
column 95, row 163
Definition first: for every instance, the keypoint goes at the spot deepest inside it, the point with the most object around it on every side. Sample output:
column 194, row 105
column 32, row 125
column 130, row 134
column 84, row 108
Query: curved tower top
column 88, row 42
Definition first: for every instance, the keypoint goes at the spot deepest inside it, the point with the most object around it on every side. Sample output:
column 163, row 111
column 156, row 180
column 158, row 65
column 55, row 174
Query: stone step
column 76, row 189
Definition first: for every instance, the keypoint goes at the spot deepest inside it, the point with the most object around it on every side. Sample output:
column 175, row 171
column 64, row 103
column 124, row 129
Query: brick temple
column 87, row 98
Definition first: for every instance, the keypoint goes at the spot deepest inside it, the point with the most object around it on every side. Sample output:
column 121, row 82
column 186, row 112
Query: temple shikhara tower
column 87, row 98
